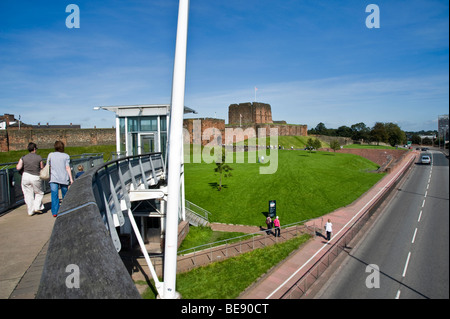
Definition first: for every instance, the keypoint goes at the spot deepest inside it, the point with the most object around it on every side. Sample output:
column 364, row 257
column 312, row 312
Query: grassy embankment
column 305, row 185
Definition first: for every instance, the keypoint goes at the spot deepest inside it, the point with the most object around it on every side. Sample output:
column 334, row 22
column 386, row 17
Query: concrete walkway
column 23, row 241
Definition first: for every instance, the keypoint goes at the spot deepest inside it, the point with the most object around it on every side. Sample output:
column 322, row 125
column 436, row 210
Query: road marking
column 397, row 296
column 423, row 203
column 426, row 193
column 406, row 265
column 414, row 236
column 388, row 184
column 420, row 215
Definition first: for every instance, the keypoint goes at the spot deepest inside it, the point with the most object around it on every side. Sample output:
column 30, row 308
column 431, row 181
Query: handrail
column 85, row 235
column 233, row 239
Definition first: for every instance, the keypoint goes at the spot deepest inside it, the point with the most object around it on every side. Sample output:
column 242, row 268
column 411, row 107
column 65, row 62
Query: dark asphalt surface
column 405, row 254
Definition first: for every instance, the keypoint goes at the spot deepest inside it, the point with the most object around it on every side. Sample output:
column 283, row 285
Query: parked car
column 425, row 159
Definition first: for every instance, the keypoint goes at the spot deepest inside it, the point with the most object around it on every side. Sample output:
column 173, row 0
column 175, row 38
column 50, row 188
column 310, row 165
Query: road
column 405, row 253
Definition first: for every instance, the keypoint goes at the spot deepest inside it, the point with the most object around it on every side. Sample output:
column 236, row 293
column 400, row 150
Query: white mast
column 175, row 154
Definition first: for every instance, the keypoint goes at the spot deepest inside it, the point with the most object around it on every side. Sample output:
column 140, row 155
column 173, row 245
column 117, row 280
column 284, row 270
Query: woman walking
column 276, row 223
column 32, row 188
column 60, row 175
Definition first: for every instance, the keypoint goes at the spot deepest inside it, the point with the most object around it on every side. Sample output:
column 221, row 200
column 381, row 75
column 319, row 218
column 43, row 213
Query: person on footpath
column 32, row 187
column 269, row 225
column 329, row 229
column 80, row 171
column 276, row 224
column 60, row 175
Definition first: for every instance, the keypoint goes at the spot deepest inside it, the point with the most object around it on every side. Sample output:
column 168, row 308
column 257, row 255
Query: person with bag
column 269, row 225
column 60, row 175
column 32, row 187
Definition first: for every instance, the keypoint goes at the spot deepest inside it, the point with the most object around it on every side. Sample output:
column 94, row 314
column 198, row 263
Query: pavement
column 24, row 240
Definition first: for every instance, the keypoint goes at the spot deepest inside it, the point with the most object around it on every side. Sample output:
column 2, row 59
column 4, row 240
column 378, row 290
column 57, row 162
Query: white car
column 425, row 159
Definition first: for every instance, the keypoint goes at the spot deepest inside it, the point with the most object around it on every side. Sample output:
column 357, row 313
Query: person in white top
column 329, row 229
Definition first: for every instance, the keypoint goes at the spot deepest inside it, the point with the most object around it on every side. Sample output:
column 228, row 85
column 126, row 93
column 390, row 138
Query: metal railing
column 201, row 255
column 200, row 216
column 92, row 210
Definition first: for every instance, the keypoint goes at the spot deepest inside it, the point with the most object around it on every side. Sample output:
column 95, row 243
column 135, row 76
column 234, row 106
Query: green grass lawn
column 306, row 185
column 227, row 279
column 14, row 156
column 204, row 235
column 297, row 142
column 365, row 146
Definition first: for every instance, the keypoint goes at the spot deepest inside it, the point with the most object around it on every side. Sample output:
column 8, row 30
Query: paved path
column 23, row 241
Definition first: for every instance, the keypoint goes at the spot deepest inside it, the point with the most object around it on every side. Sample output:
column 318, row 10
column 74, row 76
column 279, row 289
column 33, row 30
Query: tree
column 313, row 144
column 321, row 129
column 335, row 145
column 344, row 131
column 395, row 135
column 317, row 144
column 223, row 169
column 360, row 132
column 378, row 133
column 415, row 139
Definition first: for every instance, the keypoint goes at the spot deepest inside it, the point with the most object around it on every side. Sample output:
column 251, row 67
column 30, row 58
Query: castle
column 241, row 117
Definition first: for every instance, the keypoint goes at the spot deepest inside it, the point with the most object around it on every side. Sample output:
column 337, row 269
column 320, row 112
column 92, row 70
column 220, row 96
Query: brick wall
column 378, row 156
column 210, row 130
column 246, row 113
column 3, row 141
column 213, row 131
column 45, row 138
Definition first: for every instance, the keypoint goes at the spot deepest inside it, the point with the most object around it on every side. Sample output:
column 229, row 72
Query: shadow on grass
column 215, row 185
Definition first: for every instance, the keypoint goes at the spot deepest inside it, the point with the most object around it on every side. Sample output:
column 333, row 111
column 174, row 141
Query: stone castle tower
column 249, row 113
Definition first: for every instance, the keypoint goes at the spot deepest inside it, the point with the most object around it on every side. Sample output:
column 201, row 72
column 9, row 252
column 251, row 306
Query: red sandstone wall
column 3, row 141
column 45, row 138
column 378, row 156
column 246, row 113
column 211, row 130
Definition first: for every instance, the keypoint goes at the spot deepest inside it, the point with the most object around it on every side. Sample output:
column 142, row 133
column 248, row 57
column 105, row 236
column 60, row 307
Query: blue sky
column 313, row 61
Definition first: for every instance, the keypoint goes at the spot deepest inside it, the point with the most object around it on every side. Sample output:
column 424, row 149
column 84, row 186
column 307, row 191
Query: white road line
column 420, row 216
column 423, row 203
column 327, row 244
column 414, row 236
column 406, row 265
column 397, row 296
